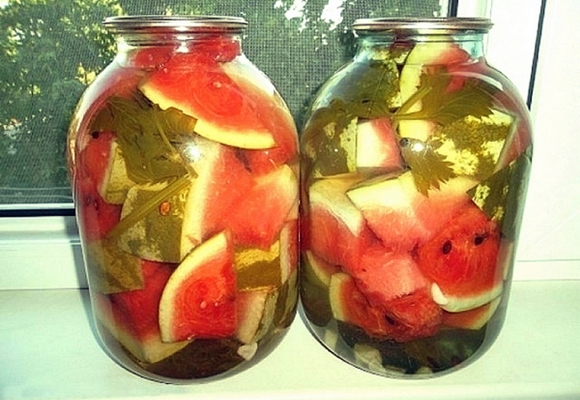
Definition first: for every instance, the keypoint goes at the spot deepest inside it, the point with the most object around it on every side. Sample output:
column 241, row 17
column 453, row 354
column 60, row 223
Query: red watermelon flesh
column 401, row 319
column 413, row 316
column 199, row 300
column 261, row 162
column 138, row 310
column 219, row 48
column 227, row 112
column 377, row 146
column 350, row 305
column 258, row 217
column 336, row 229
column 96, row 216
column 221, row 184
column 404, row 218
column 462, row 261
column 383, row 275
column 269, row 105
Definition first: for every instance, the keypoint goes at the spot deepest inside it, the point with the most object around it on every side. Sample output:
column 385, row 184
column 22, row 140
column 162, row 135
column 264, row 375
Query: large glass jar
column 416, row 157
column 184, row 164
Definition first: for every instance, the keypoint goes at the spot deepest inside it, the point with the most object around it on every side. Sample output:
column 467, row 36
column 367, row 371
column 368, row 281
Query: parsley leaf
column 440, row 105
column 429, row 168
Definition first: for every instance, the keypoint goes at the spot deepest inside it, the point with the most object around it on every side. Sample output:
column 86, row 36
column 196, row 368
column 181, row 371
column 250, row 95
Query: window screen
column 51, row 49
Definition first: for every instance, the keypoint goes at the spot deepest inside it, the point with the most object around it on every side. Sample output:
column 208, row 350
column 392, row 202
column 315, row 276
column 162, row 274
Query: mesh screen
column 50, row 50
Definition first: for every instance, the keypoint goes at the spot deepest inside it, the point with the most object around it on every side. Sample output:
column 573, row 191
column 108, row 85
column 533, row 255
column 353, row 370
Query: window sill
column 48, row 351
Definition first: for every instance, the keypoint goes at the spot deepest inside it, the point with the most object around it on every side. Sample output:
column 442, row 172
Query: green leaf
column 475, row 98
column 148, row 137
column 429, row 168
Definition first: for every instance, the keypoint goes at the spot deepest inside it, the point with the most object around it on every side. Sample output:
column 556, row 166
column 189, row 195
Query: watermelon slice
column 336, row 229
column 413, row 316
column 349, row 305
column 221, row 184
column 256, row 309
column 259, row 216
column 132, row 316
column 377, row 146
column 462, row 261
column 116, row 183
column 317, row 268
column 230, row 111
column 383, row 276
column 199, row 300
column 472, row 319
column 289, row 249
column 401, row 216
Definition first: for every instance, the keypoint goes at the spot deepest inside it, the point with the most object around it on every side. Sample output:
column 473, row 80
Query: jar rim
column 174, row 23
column 432, row 25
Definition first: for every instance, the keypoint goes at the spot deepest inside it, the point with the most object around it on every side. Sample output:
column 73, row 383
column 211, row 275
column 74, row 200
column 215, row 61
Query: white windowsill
column 48, row 351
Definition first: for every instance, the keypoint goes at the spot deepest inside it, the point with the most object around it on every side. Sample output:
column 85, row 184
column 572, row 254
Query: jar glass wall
column 184, row 165
column 416, row 157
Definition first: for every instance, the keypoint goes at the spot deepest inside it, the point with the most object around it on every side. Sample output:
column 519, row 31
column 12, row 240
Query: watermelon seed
column 164, row 208
column 390, row 320
column 447, row 246
column 95, row 134
column 478, row 239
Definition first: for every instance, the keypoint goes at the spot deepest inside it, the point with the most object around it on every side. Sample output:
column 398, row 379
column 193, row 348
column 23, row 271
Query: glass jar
column 416, row 156
column 184, row 165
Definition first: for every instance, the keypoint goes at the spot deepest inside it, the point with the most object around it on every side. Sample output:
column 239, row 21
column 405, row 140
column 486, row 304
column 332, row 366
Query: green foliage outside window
column 51, row 49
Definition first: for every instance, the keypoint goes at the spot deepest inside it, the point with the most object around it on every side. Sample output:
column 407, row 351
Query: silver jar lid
column 168, row 24
column 432, row 26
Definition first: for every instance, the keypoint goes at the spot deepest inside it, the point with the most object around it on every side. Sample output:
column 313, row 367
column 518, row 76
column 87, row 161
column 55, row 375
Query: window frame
column 41, row 249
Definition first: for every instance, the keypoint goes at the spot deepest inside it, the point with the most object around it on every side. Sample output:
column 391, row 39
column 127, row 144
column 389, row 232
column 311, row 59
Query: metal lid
column 432, row 26
column 170, row 23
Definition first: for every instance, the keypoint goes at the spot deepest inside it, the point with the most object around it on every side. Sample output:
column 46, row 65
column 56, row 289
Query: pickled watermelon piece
column 148, row 237
column 315, row 267
column 235, row 112
column 349, row 305
column 221, row 184
column 413, row 316
column 383, row 275
column 259, row 216
column 462, row 261
column 96, row 217
column 402, row 217
column 116, row 183
column 289, row 248
column 256, row 310
column 132, row 316
column 199, row 299
column 472, row 319
column 401, row 319
column 268, row 105
column 336, row 229
column 377, row 146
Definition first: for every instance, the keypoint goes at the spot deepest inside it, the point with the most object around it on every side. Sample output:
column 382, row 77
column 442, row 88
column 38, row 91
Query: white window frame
column 44, row 252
